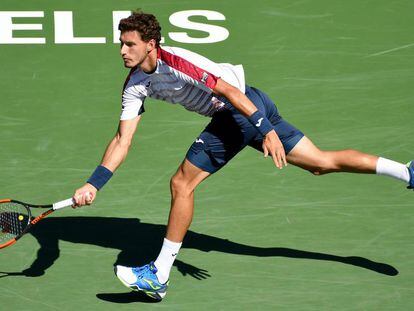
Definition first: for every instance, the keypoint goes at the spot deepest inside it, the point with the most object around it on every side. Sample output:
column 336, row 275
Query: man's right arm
column 114, row 155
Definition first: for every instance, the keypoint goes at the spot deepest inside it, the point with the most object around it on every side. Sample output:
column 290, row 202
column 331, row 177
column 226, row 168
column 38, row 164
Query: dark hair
column 146, row 25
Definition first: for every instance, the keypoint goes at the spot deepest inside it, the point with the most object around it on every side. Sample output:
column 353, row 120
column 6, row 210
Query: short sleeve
column 132, row 103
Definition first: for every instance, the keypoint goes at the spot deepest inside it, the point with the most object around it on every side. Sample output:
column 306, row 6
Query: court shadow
column 126, row 297
column 140, row 243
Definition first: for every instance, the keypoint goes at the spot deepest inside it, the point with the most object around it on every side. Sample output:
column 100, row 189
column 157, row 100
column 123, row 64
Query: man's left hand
column 273, row 146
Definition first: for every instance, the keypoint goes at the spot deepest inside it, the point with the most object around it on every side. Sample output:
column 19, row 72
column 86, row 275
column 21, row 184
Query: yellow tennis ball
column 21, row 217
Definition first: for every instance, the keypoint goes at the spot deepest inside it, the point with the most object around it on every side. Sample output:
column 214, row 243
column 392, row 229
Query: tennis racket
column 16, row 218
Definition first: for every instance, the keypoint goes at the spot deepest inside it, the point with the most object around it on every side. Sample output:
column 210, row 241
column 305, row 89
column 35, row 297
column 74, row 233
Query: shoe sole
column 156, row 296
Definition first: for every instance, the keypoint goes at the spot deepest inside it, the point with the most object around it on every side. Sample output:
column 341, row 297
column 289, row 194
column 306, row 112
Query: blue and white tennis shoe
column 410, row 166
column 142, row 279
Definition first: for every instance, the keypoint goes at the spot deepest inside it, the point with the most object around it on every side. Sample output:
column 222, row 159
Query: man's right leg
column 152, row 278
column 216, row 145
column 183, row 184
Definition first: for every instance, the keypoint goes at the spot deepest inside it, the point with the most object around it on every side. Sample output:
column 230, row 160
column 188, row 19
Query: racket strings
column 14, row 219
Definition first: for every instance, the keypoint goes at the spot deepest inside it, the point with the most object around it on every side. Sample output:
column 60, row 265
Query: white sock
column 166, row 259
column 393, row 169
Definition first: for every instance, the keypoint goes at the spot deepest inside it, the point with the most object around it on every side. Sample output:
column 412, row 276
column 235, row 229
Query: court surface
column 261, row 239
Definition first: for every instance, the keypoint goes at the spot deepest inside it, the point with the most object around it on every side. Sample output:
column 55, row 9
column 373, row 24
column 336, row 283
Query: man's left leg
column 303, row 153
column 307, row 156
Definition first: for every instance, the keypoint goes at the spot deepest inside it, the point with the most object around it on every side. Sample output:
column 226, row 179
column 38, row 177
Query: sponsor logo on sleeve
column 204, row 77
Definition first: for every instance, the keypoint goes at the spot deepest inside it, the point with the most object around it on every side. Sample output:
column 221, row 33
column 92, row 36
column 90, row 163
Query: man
column 241, row 116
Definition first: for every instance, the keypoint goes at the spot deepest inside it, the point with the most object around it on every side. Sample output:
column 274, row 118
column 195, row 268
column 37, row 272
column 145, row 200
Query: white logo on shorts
column 198, row 140
column 259, row 122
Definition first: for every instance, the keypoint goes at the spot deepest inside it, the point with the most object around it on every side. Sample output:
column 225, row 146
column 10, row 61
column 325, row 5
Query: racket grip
column 62, row 204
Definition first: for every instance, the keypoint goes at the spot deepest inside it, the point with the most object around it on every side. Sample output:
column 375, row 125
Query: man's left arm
column 271, row 142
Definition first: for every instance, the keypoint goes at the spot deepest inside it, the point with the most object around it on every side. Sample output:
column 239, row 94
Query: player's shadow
column 140, row 242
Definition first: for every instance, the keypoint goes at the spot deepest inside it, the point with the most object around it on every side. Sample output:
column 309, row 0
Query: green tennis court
column 261, row 238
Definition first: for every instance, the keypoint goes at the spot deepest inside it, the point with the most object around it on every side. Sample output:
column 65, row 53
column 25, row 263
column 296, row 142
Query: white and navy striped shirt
column 181, row 77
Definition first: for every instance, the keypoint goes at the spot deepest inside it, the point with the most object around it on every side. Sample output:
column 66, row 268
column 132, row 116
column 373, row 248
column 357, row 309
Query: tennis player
column 241, row 116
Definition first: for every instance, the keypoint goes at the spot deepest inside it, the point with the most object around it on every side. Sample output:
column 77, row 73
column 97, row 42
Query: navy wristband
column 260, row 122
column 100, row 177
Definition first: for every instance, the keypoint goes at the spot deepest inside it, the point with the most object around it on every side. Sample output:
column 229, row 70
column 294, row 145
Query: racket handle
column 62, row 204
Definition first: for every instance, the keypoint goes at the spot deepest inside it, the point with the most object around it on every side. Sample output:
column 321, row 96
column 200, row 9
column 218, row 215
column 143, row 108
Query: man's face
column 133, row 50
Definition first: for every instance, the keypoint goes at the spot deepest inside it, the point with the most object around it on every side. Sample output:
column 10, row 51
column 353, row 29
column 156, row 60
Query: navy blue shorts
column 229, row 132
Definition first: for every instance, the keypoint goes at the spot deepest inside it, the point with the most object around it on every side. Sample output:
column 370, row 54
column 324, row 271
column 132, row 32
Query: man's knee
column 324, row 165
column 180, row 185
column 317, row 171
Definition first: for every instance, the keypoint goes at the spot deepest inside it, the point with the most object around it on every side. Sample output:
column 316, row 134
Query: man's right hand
column 84, row 195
